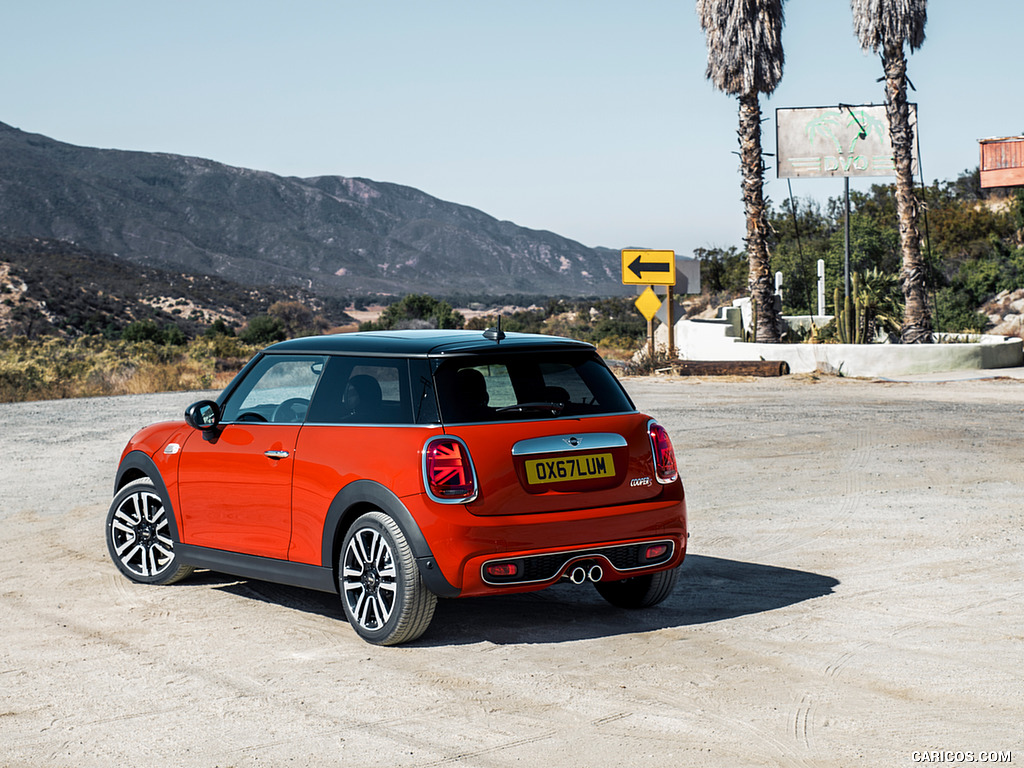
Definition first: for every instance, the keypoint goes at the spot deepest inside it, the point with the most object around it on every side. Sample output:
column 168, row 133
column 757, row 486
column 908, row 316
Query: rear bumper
column 461, row 543
column 612, row 561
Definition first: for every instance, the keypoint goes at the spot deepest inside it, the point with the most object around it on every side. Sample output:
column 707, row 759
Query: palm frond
column 886, row 23
column 744, row 40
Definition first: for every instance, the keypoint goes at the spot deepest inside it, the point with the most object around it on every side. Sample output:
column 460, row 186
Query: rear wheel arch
column 362, row 496
column 382, row 589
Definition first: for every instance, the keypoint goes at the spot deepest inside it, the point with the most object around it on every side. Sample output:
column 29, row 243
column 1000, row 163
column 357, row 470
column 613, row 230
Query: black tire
column 138, row 533
column 639, row 591
column 382, row 592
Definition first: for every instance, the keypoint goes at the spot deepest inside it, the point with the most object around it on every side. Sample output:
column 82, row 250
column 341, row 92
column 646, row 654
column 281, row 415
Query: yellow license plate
column 583, row 467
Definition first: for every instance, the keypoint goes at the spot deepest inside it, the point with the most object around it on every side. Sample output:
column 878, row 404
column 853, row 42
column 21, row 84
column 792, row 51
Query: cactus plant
column 850, row 320
column 858, row 316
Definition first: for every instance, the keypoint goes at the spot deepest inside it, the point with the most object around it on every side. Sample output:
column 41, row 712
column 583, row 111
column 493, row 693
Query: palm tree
column 744, row 39
column 886, row 26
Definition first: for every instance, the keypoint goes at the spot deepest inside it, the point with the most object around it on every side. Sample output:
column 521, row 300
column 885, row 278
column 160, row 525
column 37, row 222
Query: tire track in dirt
column 854, row 459
column 803, row 721
column 240, row 693
column 807, row 713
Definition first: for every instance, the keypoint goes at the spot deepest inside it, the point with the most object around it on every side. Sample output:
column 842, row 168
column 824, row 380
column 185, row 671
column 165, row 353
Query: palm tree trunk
column 762, row 287
column 917, row 320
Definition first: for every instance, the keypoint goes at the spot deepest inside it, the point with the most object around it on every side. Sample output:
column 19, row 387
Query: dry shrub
column 50, row 369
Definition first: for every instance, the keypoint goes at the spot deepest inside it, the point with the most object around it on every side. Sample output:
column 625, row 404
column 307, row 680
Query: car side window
column 363, row 391
column 277, row 390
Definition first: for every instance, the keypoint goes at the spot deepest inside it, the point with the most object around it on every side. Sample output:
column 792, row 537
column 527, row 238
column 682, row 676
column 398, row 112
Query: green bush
column 416, row 311
column 722, row 270
column 145, row 330
column 218, row 328
column 149, row 331
column 955, row 312
column 263, row 330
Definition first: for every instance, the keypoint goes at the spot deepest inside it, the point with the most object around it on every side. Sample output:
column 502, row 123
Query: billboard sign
column 826, row 142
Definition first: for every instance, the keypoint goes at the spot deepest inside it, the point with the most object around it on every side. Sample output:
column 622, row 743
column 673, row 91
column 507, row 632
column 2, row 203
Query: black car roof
column 424, row 343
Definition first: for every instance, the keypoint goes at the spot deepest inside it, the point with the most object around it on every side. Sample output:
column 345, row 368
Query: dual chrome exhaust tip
column 581, row 573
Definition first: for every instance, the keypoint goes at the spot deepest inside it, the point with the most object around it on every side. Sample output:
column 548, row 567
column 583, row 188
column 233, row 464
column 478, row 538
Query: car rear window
column 533, row 385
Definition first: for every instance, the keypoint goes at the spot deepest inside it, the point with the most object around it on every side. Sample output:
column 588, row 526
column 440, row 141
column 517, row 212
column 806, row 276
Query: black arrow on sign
column 638, row 267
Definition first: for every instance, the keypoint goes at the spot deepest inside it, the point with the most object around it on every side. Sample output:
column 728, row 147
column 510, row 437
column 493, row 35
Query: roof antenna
column 495, row 334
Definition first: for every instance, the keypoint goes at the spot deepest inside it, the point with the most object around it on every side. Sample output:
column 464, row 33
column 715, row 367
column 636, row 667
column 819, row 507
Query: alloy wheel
column 369, row 579
column 140, row 535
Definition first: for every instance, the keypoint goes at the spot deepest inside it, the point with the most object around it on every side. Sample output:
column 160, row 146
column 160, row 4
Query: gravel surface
column 852, row 596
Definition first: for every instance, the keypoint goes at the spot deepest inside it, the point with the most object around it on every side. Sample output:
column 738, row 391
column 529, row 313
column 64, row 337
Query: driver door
column 235, row 484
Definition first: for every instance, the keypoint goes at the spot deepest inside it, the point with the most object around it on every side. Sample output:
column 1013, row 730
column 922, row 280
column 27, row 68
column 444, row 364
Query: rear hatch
column 561, row 465
column 546, row 431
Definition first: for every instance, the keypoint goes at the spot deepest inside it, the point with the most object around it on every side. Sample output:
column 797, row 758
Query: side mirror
column 204, row 415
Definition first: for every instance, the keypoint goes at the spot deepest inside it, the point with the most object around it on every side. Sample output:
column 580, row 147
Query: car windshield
column 527, row 385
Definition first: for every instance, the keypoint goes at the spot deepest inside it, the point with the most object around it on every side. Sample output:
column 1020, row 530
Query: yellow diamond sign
column 648, row 303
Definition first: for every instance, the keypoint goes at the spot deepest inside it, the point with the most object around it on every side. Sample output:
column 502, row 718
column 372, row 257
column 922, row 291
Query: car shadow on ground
column 709, row 589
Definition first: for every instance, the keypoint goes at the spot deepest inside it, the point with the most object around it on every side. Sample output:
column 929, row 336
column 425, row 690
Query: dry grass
column 91, row 366
column 51, row 369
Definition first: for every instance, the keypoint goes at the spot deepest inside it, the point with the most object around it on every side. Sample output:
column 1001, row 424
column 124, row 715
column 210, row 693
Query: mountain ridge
column 52, row 287
column 337, row 234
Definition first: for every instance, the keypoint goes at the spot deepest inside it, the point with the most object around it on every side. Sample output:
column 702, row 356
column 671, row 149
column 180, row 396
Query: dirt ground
column 852, row 596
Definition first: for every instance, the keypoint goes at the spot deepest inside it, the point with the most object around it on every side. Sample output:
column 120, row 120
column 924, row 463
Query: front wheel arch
column 136, row 466
column 138, row 535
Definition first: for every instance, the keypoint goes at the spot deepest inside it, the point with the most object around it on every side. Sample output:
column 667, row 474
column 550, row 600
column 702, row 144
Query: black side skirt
column 255, row 567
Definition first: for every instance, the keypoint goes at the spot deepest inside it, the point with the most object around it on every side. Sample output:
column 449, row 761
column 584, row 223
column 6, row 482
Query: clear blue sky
column 589, row 118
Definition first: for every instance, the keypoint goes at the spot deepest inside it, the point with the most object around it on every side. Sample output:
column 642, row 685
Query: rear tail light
column 655, row 552
column 448, row 472
column 664, row 457
column 502, row 570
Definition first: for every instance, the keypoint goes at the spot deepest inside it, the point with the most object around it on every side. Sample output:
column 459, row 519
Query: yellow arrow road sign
column 648, row 267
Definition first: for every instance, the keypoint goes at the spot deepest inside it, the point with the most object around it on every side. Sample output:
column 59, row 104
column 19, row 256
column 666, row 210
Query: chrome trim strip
column 378, row 424
column 585, row 441
column 435, row 425
column 572, row 555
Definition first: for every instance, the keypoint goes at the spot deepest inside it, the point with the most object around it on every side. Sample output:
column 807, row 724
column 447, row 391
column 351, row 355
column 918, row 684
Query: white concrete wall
column 720, row 340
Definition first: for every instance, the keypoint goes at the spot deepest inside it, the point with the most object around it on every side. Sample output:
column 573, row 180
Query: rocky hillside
column 1006, row 313
column 337, row 235
column 52, row 287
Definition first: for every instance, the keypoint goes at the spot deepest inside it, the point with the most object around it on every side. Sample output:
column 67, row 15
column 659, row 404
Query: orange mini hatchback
column 397, row 467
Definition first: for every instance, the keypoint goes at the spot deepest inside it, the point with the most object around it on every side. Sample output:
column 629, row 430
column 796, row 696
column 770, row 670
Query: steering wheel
column 291, row 411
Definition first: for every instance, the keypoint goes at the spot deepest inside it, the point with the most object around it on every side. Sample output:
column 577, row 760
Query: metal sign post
column 846, row 239
column 671, row 325
column 648, row 304
column 821, row 287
